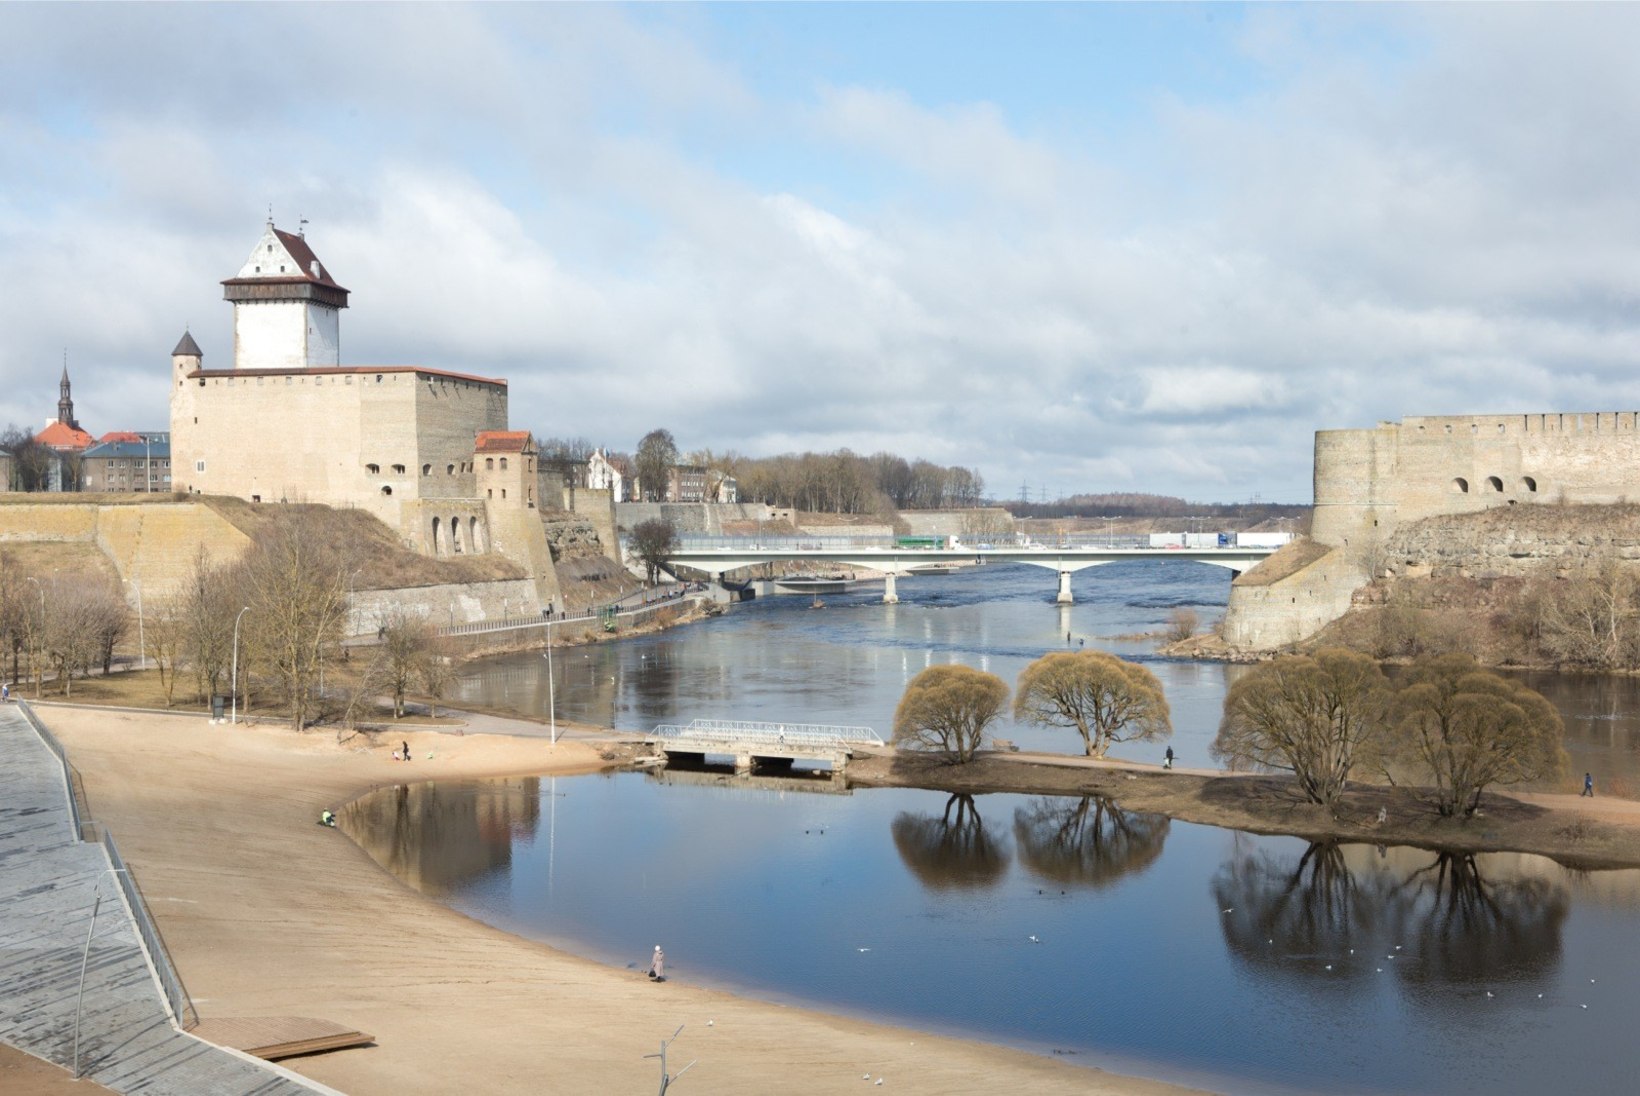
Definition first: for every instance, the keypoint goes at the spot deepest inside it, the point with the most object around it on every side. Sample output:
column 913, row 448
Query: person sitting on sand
column 327, row 818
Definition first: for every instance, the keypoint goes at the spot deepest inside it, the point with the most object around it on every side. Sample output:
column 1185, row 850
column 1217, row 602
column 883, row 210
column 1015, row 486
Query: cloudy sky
column 1082, row 248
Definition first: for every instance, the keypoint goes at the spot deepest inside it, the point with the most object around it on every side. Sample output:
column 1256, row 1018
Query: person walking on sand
column 1588, row 785
column 657, row 965
column 1167, row 763
column 406, row 746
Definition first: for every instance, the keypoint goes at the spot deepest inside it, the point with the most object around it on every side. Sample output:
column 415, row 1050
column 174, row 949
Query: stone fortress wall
column 1369, row 482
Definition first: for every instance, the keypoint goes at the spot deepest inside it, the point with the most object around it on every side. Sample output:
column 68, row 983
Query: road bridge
column 719, row 555
column 762, row 745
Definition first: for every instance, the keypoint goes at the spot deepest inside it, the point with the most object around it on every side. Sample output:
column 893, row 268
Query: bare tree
column 206, row 607
column 407, row 643
column 653, row 542
column 438, row 673
column 1318, row 717
column 30, row 463
column 1467, row 729
column 163, row 632
column 1181, row 624
column 657, row 454
column 1590, row 617
column 1106, row 699
column 949, row 708
column 296, row 586
column 86, row 617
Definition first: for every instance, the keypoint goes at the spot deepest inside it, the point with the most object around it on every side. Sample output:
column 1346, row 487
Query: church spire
column 65, row 400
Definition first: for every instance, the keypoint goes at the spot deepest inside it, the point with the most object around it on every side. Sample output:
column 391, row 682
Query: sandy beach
column 268, row 914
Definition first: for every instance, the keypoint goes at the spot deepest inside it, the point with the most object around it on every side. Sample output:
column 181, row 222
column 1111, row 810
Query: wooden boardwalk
column 49, row 882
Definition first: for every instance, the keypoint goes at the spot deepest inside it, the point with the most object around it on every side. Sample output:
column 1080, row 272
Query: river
column 1191, row 953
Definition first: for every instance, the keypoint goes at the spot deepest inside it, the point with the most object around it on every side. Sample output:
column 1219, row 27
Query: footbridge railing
column 738, row 732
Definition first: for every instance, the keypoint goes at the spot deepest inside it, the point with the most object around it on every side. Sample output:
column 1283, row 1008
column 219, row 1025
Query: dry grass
column 1288, row 560
column 387, row 563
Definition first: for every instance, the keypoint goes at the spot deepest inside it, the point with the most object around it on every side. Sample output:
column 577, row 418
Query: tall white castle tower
column 286, row 307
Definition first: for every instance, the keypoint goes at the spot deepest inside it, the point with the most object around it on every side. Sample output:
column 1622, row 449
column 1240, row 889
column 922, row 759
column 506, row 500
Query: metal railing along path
column 176, row 994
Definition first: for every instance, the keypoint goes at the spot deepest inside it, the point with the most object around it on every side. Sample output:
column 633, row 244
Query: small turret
column 187, row 357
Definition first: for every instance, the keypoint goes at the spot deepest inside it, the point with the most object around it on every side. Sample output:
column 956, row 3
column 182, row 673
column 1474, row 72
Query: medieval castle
column 426, row 450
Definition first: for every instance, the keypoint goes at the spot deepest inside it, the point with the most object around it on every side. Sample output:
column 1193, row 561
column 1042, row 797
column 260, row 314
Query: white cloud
column 599, row 207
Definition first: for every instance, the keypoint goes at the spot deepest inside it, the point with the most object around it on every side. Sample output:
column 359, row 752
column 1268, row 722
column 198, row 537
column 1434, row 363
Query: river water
column 1238, row 962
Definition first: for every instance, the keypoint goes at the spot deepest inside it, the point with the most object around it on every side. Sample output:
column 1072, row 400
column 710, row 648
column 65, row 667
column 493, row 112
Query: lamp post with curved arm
column 234, row 714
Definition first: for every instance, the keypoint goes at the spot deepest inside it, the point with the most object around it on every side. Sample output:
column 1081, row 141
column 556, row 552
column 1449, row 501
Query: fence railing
column 176, row 994
column 87, row 829
column 516, row 624
column 724, row 731
column 72, row 786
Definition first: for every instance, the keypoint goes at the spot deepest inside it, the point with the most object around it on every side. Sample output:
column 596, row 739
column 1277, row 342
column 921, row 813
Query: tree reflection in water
column 1437, row 916
column 1466, row 927
column 949, row 850
column 1087, row 841
column 437, row 836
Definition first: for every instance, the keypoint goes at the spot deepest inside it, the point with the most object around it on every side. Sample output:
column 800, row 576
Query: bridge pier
column 1064, row 597
column 889, row 596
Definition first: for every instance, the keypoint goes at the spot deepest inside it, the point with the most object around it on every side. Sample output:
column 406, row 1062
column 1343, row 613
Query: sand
column 268, row 914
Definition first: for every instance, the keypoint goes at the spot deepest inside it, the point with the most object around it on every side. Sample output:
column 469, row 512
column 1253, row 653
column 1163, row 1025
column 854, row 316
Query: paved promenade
column 48, row 884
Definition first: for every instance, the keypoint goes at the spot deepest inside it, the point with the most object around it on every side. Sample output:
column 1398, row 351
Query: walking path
column 49, row 882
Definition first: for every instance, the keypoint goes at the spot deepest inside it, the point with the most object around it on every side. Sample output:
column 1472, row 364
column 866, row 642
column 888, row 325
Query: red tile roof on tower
column 503, row 441
column 63, row 437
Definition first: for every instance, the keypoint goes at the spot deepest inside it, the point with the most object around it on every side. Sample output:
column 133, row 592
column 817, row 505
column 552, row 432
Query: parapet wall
column 1292, row 609
column 447, row 604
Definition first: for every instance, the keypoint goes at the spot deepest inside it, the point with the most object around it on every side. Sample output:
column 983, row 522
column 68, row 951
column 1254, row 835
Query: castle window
column 503, row 492
column 378, row 378
column 503, row 464
column 199, row 466
column 1494, row 482
column 489, row 464
column 1461, row 485
column 398, row 469
column 489, row 492
column 1529, row 483
column 449, row 469
column 373, row 469
column 387, row 489
column 259, row 270
column 427, row 469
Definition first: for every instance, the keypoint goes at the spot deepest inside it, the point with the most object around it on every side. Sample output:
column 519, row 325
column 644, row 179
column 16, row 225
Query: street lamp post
column 234, row 712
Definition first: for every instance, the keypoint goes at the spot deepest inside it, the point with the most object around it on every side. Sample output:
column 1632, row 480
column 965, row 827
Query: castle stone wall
column 1369, row 483
column 446, row 604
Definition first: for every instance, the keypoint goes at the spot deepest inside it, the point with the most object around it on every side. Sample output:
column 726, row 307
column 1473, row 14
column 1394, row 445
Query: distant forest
column 1133, row 504
column 847, row 483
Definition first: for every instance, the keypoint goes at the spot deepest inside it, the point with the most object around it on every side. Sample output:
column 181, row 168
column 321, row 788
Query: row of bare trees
column 844, row 482
column 64, row 622
column 289, row 598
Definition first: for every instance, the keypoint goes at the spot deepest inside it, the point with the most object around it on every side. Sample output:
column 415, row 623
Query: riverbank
column 266, row 913
column 1586, row 832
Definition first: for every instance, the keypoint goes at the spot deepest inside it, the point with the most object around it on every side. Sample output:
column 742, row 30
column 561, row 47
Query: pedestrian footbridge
column 761, row 746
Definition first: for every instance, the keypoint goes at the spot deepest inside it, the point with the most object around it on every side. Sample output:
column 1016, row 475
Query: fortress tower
column 286, row 307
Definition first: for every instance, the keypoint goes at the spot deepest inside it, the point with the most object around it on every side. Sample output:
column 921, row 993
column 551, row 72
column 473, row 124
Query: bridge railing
column 734, row 731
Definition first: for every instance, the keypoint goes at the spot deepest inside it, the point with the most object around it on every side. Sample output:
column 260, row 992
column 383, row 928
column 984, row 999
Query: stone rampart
column 1267, row 616
column 152, row 545
column 446, row 604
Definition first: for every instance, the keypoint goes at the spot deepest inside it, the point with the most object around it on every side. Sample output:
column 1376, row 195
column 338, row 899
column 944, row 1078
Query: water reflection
column 950, row 849
column 1441, row 918
column 1086, row 842
column 438, row 836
